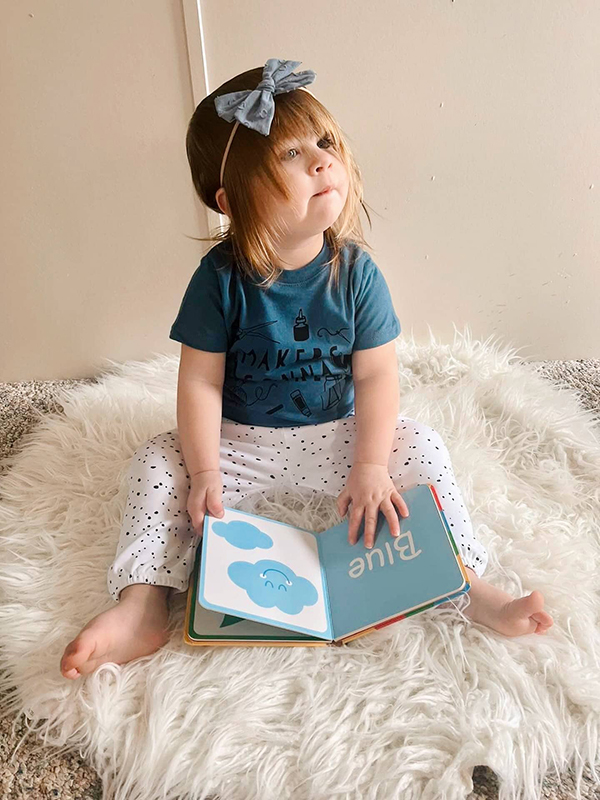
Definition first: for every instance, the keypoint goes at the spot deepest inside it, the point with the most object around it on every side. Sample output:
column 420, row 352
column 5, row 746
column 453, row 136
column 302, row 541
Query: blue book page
column 263, row 570
column 397, row 575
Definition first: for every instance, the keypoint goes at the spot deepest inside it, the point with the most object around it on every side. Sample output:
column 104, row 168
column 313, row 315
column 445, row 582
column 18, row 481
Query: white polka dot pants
column 157, row 543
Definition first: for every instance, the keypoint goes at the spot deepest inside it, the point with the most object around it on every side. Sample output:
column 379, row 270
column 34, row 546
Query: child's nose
column 322, row 161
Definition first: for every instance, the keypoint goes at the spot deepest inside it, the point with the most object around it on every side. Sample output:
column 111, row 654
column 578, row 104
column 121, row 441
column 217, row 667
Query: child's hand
column 370, row 486
column 205, row 496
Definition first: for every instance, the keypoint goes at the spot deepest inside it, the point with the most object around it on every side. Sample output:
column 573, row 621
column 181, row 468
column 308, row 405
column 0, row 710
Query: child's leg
column 498, row 610
column 135, row 627
column 157, row 544
column 321, row 459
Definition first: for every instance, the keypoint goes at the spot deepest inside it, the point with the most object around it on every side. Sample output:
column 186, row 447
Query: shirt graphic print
column 289, row 347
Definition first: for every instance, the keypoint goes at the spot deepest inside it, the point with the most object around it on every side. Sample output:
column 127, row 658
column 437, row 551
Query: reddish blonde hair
column 254, row 176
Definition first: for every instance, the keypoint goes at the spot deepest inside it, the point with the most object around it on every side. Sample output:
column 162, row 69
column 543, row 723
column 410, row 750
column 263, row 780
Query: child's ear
column 221, row 198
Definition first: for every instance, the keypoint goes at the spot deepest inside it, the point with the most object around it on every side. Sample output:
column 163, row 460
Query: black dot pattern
column 157, row 542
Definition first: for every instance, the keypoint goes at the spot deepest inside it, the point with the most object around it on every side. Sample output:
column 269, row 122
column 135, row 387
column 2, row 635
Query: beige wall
column 476, row 126
column 97, row 200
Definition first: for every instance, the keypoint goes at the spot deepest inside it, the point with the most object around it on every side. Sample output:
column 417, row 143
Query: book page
column 398, row 574
column 265, row 571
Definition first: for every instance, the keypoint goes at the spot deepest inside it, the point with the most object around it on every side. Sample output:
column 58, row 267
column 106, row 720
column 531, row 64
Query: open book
column 255, row 576
column 260, row 581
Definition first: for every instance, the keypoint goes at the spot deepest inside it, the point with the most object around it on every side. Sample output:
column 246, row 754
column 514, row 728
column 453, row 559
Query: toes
column 543, row 618
column 67, row 670
column 543, row 626
column 76, row 654
column 72, row 673
column 536, row 599
column 69, row 655
column 91, row 665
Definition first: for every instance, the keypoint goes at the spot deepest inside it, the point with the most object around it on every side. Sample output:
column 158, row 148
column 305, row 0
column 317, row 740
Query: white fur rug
column 404, row 713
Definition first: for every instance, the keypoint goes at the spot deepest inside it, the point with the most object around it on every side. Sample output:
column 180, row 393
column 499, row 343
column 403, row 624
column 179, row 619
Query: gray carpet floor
column 32, row 774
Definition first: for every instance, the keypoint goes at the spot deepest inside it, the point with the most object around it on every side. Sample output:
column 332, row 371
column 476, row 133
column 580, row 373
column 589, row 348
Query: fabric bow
column 255, row 108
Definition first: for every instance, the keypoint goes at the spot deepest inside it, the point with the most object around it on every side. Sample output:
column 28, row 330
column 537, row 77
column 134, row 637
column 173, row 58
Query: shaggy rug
column 406, row 712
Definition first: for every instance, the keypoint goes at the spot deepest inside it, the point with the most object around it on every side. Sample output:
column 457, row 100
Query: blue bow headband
column 255, row 108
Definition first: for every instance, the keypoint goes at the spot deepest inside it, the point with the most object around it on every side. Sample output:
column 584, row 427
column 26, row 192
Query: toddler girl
column 288, row 370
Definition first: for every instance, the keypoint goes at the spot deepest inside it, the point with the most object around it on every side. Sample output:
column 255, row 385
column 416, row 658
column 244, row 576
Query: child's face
column 311, row 165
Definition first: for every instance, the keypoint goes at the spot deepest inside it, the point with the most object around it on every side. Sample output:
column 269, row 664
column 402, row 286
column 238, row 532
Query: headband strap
column 231, row 135
column 255, row 108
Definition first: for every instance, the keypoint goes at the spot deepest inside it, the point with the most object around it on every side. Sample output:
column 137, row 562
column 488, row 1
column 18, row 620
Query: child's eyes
column 326, row 139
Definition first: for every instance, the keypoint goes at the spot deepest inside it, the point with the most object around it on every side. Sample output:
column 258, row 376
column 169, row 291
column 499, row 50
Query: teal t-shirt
column 289, row 347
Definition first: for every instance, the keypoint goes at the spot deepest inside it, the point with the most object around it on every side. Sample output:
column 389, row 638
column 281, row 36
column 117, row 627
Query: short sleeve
column 375, row 321
column 200, row 322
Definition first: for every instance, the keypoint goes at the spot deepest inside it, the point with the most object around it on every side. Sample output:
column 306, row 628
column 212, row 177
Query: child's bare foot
column 135, row 627
column 498, row 610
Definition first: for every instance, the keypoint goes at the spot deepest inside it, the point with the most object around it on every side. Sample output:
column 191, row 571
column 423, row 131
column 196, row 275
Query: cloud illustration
column 271, row 583
column 243, row 535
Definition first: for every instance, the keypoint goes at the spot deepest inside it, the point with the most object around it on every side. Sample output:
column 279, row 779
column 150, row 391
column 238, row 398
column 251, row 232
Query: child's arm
column 369, row 485
column 376, row 400
column 199, row 408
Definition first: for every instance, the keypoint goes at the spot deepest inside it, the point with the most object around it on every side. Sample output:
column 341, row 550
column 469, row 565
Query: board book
column 257, row 581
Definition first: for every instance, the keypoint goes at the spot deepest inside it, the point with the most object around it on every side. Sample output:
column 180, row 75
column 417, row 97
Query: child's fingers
column 215, row 503
column 196, row 514
column 399, row 501
column 371, row 514
column 356, row 513
column 391, row 515
column 343, row 502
